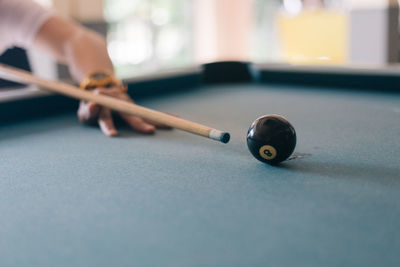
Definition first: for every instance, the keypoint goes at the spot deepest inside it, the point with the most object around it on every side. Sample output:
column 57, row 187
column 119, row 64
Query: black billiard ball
column 271, row 139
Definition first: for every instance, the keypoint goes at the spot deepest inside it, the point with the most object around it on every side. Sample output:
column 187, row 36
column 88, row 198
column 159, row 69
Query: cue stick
column 21, row 76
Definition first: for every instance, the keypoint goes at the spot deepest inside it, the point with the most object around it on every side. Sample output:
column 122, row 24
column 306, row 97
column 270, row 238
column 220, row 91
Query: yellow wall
column 314, row 36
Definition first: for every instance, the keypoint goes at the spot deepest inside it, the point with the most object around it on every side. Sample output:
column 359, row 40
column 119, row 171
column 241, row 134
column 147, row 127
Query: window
column 147, row 35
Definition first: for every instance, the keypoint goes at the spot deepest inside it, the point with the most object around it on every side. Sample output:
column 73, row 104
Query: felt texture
column 70, row 196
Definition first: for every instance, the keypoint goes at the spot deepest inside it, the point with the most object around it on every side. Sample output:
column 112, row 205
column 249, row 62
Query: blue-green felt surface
column 71, row 197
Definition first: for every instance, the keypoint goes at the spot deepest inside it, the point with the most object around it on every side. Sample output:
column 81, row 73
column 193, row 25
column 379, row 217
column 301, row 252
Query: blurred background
column 148, row 35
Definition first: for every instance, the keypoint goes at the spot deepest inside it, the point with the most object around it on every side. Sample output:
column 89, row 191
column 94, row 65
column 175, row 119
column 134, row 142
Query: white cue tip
column 219, row 136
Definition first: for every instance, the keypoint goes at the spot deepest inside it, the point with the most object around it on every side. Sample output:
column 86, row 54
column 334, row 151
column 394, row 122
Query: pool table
column 69, row 196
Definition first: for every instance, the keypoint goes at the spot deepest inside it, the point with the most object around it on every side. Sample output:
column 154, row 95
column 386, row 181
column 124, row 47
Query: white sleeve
column 20, row 21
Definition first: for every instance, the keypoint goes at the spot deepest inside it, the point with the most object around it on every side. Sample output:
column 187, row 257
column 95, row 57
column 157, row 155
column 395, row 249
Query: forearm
column 81, row 49
column 85, row 52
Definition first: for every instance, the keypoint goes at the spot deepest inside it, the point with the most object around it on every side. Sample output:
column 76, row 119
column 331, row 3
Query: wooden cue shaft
column 21, row 76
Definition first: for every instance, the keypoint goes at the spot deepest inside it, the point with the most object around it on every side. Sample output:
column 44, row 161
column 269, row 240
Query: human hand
column 92, row 113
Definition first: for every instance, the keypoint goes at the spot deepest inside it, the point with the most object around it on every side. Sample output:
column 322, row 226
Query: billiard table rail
column 21, row 103
column 375, row 78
